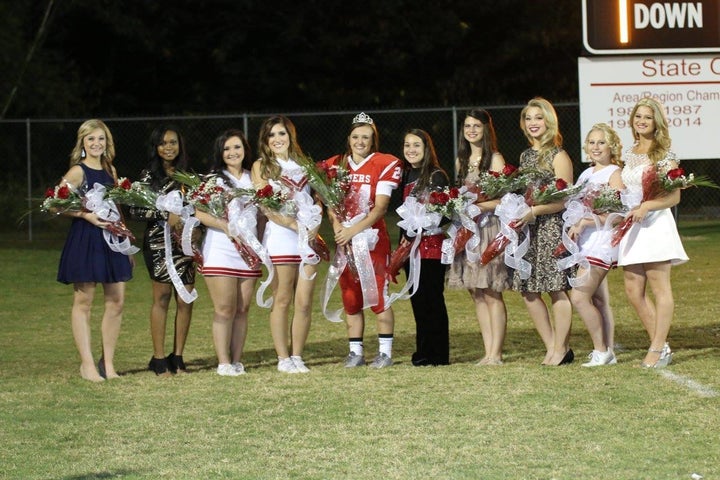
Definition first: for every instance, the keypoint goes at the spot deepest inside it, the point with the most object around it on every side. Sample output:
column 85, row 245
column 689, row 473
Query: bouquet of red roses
column 133, row 194
column 330, row 182
column 61, row 199
column 457, row 204
column 64, row 198
column 537, row 193
column 491, row 185
column 603, row 199
column 655, row 184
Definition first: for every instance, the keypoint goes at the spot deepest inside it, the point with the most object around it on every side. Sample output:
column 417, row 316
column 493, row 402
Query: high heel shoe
column 101, row 368
column 568, row 358
column 663, row 360
column 665, row 357
column 175, row 363
column 159, row 366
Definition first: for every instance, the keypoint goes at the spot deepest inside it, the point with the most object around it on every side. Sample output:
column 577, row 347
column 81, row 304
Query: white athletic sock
column 386, row 341
column 356, row 346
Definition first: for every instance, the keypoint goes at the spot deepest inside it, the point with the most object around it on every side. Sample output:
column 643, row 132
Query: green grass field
column 517, row 421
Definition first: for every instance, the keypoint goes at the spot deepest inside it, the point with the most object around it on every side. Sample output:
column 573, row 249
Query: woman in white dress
column 229, row 279
column 279, row 152
column 591, row 297
column 652, row 245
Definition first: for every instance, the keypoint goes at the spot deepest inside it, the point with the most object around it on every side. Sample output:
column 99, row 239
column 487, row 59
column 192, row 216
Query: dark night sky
column 137, row 57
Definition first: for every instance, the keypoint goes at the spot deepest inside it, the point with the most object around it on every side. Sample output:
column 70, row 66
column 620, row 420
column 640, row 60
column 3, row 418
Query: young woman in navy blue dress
column 87, row 259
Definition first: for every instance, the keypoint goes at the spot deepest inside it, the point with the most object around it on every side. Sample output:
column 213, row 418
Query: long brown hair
column 488, row 145
column 270, row 167
column 429, row 164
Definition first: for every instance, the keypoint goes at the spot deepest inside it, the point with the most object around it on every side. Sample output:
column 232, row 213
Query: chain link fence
column 36, row 151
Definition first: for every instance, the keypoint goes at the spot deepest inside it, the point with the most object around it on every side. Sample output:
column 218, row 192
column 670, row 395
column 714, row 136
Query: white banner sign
column 687, row 85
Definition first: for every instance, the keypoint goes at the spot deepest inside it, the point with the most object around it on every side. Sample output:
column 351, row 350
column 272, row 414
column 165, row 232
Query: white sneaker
column 299, row 364
column 598, row 358
column 227, row 370
column 238, row 367
column 613, row 361
column 286, row 365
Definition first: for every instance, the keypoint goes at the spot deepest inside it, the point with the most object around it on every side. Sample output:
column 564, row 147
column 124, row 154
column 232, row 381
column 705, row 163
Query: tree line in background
column 122, row 58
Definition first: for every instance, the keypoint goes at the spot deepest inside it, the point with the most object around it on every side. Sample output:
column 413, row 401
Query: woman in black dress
column 166, row 153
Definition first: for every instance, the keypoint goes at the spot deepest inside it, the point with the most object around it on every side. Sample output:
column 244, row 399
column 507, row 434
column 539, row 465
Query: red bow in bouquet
column 654, row 185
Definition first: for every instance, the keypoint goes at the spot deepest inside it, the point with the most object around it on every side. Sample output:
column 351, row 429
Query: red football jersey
column 378, row 174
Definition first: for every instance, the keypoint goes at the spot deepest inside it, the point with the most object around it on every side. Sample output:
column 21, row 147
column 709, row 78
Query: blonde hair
column 661, row 143
column 552, row 138
column 612, row 139
column 87, row 127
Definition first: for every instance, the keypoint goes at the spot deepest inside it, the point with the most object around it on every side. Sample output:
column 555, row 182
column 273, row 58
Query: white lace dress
column 656, row 238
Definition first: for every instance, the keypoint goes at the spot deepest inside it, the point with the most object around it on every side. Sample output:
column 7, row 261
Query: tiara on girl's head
column 362, row 117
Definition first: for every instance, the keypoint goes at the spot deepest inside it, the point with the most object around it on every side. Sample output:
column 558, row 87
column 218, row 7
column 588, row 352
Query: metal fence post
column 29, row 178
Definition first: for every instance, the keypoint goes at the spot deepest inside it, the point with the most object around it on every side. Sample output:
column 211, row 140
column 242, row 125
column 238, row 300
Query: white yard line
column 690, row 384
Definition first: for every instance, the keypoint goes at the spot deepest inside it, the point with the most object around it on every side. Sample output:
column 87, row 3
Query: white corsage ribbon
column 242, row 225
column 308, row 217
column 106, row 210
column 188, row 297
column 362, row 244
column 512, row 206
column 574, row 212
column 414, row 220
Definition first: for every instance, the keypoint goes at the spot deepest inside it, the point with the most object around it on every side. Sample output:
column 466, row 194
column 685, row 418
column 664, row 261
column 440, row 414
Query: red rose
column 332, row 173
column 434, row 198
column 454, row 192
column 561, row 184
column 509, row 169
column 494, row 174
column 443, row 198
column 49, row 193
column 676, row 173
column 542, row 188
column 63, row 192
column 126, row 184
column 265, row 192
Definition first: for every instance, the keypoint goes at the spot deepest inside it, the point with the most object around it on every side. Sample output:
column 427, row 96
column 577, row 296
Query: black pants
column 431, row 317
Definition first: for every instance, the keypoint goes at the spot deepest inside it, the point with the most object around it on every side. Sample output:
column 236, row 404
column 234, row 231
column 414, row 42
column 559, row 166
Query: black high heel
column 175, row 363
column 159, row 366
column 568, row 358
column 101, row 367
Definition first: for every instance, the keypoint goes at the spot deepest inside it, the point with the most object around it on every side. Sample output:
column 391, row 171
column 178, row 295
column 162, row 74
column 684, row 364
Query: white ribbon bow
column 309, row 216
column 106, row 210
column 414, row 219
column 242, row 225
column 512, row 207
